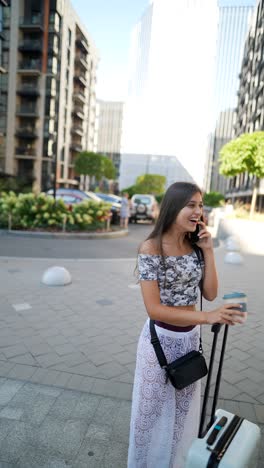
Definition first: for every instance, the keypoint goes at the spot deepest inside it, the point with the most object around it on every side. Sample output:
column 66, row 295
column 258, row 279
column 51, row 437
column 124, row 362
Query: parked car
column 71, row 196
column 143, row 207
column 115, row 202
column 110, row 197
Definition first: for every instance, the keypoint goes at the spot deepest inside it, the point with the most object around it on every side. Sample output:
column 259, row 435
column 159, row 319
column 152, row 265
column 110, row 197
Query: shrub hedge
column 30, row 211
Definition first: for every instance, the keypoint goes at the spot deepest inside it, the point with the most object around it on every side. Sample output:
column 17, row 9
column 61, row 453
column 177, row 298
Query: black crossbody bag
column 188, row 368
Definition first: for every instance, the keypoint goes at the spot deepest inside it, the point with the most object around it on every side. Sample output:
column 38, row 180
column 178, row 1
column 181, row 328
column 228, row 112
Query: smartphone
column 194, row 235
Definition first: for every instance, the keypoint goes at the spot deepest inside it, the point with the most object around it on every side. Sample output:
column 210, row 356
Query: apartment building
column 3, row 4
column 110, row 117
column 50, row 83
column 250, row 104
column 3, row 82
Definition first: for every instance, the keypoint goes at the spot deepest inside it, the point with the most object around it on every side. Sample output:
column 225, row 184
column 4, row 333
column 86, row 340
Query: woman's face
column 189, row 216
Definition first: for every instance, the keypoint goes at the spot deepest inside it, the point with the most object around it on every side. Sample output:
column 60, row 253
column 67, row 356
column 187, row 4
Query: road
column 37, row 247
column 41, row 247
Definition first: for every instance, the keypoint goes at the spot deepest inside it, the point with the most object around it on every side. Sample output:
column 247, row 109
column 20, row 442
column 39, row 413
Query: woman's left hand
column 206, row 241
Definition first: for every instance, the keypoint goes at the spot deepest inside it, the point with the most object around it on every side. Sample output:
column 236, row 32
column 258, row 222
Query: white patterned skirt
column 164, row 421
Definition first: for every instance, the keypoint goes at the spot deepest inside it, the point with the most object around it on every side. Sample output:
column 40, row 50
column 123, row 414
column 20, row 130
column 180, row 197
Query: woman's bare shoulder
column 149, row 247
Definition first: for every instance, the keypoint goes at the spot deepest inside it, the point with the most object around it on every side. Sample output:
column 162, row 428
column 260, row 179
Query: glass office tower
column 233, row 23
column 166, row 114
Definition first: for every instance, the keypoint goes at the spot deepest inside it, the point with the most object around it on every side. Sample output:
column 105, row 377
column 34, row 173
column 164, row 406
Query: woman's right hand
column 226, row 314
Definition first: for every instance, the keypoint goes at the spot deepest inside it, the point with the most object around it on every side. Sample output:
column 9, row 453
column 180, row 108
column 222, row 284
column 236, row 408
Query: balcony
column 76, row 147
column 80, row 42
column 51, row 135
column 30, row 46
column 6, row 23
column 78, row 112
column 27, row 111
column 53, row 49
column 5, row 44
column 79, row 96
column 28, row 132
column 33, row 23
column 29, row 89
column 54, row 28
column 260, row 103
column 80, row 59
column 26, row 151
column 245, row 61
column 77, row 130
column 81, row 77
column 30, row 67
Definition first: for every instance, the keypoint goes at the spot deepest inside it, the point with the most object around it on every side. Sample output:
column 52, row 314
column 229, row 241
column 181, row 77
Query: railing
column 30, row 45
column 26, row 131
column 78, row 110
column 29, row 88
column 80, row 58
column 82, row 77
column 35, row 20
column 77, row 129
column 30, row 65
column 24, row 151
column 76, row 147
column 80, row 96
column 27, row 110
column 80, row 40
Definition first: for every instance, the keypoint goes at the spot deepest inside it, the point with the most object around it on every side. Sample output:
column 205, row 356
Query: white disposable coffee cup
column 237, row 298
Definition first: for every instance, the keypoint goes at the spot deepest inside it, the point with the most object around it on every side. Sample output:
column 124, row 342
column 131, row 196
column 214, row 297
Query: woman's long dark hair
column 175, row 198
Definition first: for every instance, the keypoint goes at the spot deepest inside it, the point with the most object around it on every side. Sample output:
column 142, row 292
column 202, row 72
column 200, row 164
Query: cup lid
column 234, row 295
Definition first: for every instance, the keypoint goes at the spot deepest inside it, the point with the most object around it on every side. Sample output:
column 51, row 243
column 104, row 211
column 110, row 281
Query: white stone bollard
column 232, row 245
column 234, row 257
column 56, row 276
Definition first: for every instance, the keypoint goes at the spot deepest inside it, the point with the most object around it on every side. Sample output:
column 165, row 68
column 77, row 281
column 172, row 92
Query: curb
column 67, row 235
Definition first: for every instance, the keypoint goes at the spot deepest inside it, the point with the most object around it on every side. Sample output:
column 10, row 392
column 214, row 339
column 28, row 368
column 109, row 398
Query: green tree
column 213, row 199
column 96, row 165
column 131, row 190
column 15, row 184
column 109, row 170
column 244, row 154
column 151, row 183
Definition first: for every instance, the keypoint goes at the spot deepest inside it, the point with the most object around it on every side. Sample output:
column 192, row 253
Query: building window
column 52, row 65
column 62, row 154
column 55, row 20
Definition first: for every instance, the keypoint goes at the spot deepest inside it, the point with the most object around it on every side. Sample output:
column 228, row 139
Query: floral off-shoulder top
column 183, row 275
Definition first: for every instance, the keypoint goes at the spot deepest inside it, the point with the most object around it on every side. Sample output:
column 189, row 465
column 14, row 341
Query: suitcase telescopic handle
column 218, row 378
column 215, row 329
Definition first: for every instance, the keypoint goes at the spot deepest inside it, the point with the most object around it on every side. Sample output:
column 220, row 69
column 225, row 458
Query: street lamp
column 55, row 175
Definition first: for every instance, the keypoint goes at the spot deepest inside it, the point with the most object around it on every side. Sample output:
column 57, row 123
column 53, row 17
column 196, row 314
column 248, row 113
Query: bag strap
column 157, row 346
column 200, row 257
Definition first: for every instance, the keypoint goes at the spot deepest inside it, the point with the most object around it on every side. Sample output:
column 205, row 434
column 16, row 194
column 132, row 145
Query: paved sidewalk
column 67, row 357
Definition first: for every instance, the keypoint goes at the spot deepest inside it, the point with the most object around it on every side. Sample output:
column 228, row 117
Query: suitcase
column 229, row 441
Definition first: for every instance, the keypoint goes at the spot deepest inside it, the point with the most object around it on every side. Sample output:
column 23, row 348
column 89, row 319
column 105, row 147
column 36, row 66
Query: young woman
column 124, row 211
column 164, row 421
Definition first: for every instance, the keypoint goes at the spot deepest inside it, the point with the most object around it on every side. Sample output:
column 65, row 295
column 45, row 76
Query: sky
column 109, row 23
